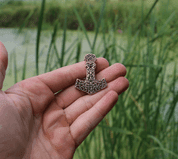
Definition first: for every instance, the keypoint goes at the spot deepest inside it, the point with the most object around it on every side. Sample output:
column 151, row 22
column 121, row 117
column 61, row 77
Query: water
column 9, row 39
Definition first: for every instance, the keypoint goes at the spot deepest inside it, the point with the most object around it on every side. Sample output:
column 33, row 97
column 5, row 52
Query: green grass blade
column 175, row 97
column 91, row 14
column 53, row 38
column 115, row 129
column 69, row 59
column 150, row 11
column 160, row 149
column 57, row 55
column 42, row 51
column 78, row 52
column 25, row 21
column 24, row 65
column 104, row 39
column 156, row 140
column 72, row 45
column 157, row 112
column 39, row 34
column 64, row 40
column 82, row 26
column 52, row 60
column 162, row 30
column 99, row 22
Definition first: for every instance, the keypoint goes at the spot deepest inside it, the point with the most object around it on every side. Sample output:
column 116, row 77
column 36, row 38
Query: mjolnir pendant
column 90, row 85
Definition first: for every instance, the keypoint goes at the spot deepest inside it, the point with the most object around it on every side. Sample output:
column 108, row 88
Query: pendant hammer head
column 90, row 58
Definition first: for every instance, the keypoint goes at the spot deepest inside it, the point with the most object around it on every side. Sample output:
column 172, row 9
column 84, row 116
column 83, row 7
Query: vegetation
column 143, row 124
column 128, row 13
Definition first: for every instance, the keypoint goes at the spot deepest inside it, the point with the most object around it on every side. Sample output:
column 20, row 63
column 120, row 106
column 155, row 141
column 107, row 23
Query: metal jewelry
column 90, row 85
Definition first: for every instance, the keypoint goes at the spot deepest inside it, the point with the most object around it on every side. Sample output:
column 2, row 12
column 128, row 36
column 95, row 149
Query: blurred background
column 41, row 36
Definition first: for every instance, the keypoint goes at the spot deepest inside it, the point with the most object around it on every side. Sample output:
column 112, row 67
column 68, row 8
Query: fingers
column 86, row 122
column 66, row 76
column 85, row 103
column 3, row 63
column 40, row 89
column 71, row 94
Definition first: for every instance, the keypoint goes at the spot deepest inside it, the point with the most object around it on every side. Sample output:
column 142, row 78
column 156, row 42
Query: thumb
column 3, row 63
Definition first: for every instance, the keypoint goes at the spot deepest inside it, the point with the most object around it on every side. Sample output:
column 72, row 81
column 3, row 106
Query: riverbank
column 123, row 14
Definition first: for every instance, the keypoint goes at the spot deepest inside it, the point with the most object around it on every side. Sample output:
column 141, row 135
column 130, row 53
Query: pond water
column 26, row 41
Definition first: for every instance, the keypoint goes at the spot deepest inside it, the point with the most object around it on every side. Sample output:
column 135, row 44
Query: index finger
column 3, row 63
column 66, row 76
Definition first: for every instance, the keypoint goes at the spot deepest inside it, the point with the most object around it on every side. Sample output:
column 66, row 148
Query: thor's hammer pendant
column 90, row 85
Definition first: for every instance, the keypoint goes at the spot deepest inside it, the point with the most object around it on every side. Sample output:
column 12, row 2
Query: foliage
column 15, row 3
column 125, row 16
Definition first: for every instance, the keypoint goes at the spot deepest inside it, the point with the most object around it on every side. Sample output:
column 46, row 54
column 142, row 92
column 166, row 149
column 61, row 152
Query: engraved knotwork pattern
column 90, row 85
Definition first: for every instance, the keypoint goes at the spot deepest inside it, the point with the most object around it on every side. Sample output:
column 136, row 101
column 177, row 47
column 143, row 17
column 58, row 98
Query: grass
column 38, row 35
column 143, row 124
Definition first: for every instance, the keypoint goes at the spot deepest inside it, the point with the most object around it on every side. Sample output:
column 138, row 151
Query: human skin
column 36, row 122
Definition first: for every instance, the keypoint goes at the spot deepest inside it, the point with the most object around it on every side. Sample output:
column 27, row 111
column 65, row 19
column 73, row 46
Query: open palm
column 38, row 122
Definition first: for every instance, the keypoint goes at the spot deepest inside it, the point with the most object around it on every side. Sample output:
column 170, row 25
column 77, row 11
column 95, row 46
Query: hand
column 37, row 122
